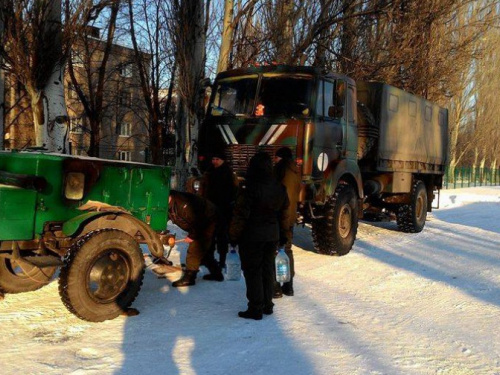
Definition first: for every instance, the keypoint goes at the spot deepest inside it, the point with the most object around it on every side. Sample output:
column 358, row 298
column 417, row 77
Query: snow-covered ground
column 427, row 303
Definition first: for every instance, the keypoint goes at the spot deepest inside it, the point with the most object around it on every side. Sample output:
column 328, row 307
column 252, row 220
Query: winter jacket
column 260, row 213
column 219, row 187
column 286, row 172
column 191, row 213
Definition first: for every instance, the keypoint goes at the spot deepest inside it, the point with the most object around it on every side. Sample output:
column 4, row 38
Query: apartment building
column 122, row 128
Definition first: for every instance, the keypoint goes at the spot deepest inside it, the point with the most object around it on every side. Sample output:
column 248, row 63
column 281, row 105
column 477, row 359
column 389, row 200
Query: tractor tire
column 411, row 217
column 17, row 278
column 335, row 233
column 102, row 275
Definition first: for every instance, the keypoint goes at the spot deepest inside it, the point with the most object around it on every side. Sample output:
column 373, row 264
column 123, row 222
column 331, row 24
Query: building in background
column 124, row 122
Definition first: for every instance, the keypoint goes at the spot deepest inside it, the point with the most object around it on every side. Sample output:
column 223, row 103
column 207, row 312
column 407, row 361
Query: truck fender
column 347, row 170
column 117, row 219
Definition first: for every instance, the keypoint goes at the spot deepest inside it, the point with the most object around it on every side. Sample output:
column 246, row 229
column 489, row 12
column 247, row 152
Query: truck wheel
column 411, row 217
column 102, row 275
column 19, row 278
column 336, row 232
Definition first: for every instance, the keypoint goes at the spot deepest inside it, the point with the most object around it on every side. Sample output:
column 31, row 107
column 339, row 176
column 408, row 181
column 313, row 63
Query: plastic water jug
column 233, row 264
column 282, row 266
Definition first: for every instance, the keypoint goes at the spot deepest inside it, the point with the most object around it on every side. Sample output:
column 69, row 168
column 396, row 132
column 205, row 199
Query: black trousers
column 289, row 252
column 257, row 263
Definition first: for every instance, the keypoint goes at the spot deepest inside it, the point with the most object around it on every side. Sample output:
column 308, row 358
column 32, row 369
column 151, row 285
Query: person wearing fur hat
column 219, row 186
column 285, row 171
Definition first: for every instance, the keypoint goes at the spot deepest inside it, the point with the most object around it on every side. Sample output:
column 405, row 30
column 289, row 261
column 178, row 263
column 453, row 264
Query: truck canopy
column 412, row 131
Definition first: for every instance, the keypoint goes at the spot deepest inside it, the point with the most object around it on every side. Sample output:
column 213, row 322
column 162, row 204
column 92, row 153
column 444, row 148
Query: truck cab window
column 328, row 98
column 319, row 100
column 234, row 96
column 325, row 99
column 285, row 95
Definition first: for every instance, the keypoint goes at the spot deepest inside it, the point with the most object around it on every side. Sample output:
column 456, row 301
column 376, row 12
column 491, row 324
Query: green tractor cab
column 86, row 216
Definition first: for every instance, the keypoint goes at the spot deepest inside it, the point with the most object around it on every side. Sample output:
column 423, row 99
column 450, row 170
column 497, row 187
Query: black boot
column 251, row 314
column 215, row 272
column 268, row 310
column 187, row 279
column 287, row 288
column 214, row 276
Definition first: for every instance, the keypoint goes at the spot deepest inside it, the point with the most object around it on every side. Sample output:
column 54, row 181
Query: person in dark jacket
column 219, row 186
column 259, row 223
column 285, row 171
column 197, row 216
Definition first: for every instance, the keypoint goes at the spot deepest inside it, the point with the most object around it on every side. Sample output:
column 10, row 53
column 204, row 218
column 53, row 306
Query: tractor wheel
column 411, row 217
column 20, row 277
column 335, row 233
column 102, row 275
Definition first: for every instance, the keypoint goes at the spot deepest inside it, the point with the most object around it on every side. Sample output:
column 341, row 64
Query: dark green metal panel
column 139, row 188
column 72, row 225
column 16, row 213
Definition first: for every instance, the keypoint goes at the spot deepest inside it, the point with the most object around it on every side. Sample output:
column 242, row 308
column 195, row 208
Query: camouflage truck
column 363, row 149
column 86, row 217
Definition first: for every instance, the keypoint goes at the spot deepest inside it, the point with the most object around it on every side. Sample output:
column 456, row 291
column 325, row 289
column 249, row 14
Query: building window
column 125, row 99
column 76, row 125
column 124, row 129
column 124, row 155
column 77, row 59
column 72, row 92
column 126, row 70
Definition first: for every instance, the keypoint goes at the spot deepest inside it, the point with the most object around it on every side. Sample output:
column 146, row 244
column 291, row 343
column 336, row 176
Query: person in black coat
column 219, row 186
column 259, row 223
column 197, row 216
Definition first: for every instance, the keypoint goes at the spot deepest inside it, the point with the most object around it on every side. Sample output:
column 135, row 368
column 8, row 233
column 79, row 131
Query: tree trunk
column 56, row 120
column 48, row 104
column 190, row 50
column 284, row 46
column 227, row 36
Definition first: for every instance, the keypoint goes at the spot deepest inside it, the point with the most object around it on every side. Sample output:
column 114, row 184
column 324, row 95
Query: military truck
column 86, row 217
column 363, row 149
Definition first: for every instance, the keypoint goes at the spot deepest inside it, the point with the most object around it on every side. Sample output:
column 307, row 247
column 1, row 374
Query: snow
column 426, row 303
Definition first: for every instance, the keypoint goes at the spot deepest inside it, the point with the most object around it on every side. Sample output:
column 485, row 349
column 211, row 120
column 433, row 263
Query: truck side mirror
column 336, row 111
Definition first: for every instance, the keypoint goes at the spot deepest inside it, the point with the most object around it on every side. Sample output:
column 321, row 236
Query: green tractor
column 87, row 217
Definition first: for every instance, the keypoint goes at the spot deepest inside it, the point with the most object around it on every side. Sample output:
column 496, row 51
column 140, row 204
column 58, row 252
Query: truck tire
column 16, row 278
column 102, row 275
column 411, row 217
column 335, row 233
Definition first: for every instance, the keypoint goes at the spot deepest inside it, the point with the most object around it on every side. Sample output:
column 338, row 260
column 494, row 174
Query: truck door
column 329, row 136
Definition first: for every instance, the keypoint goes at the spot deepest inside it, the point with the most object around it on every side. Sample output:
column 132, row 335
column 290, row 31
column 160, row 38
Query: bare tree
column 151, row 57
column 189, row 35
column 88, row 67
column 33, row 52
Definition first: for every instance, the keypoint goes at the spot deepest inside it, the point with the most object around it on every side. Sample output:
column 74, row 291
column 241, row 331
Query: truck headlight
column 74, row 186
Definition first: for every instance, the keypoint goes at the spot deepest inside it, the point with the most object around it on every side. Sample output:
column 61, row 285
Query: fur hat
column 284, row 153
column 219, row 154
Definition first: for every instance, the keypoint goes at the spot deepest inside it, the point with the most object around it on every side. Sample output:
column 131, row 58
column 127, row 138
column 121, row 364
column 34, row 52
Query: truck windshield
column 235, row 96
column 284, row 95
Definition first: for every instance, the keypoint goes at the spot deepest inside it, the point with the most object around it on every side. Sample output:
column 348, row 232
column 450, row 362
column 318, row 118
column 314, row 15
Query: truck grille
column 238, row 156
